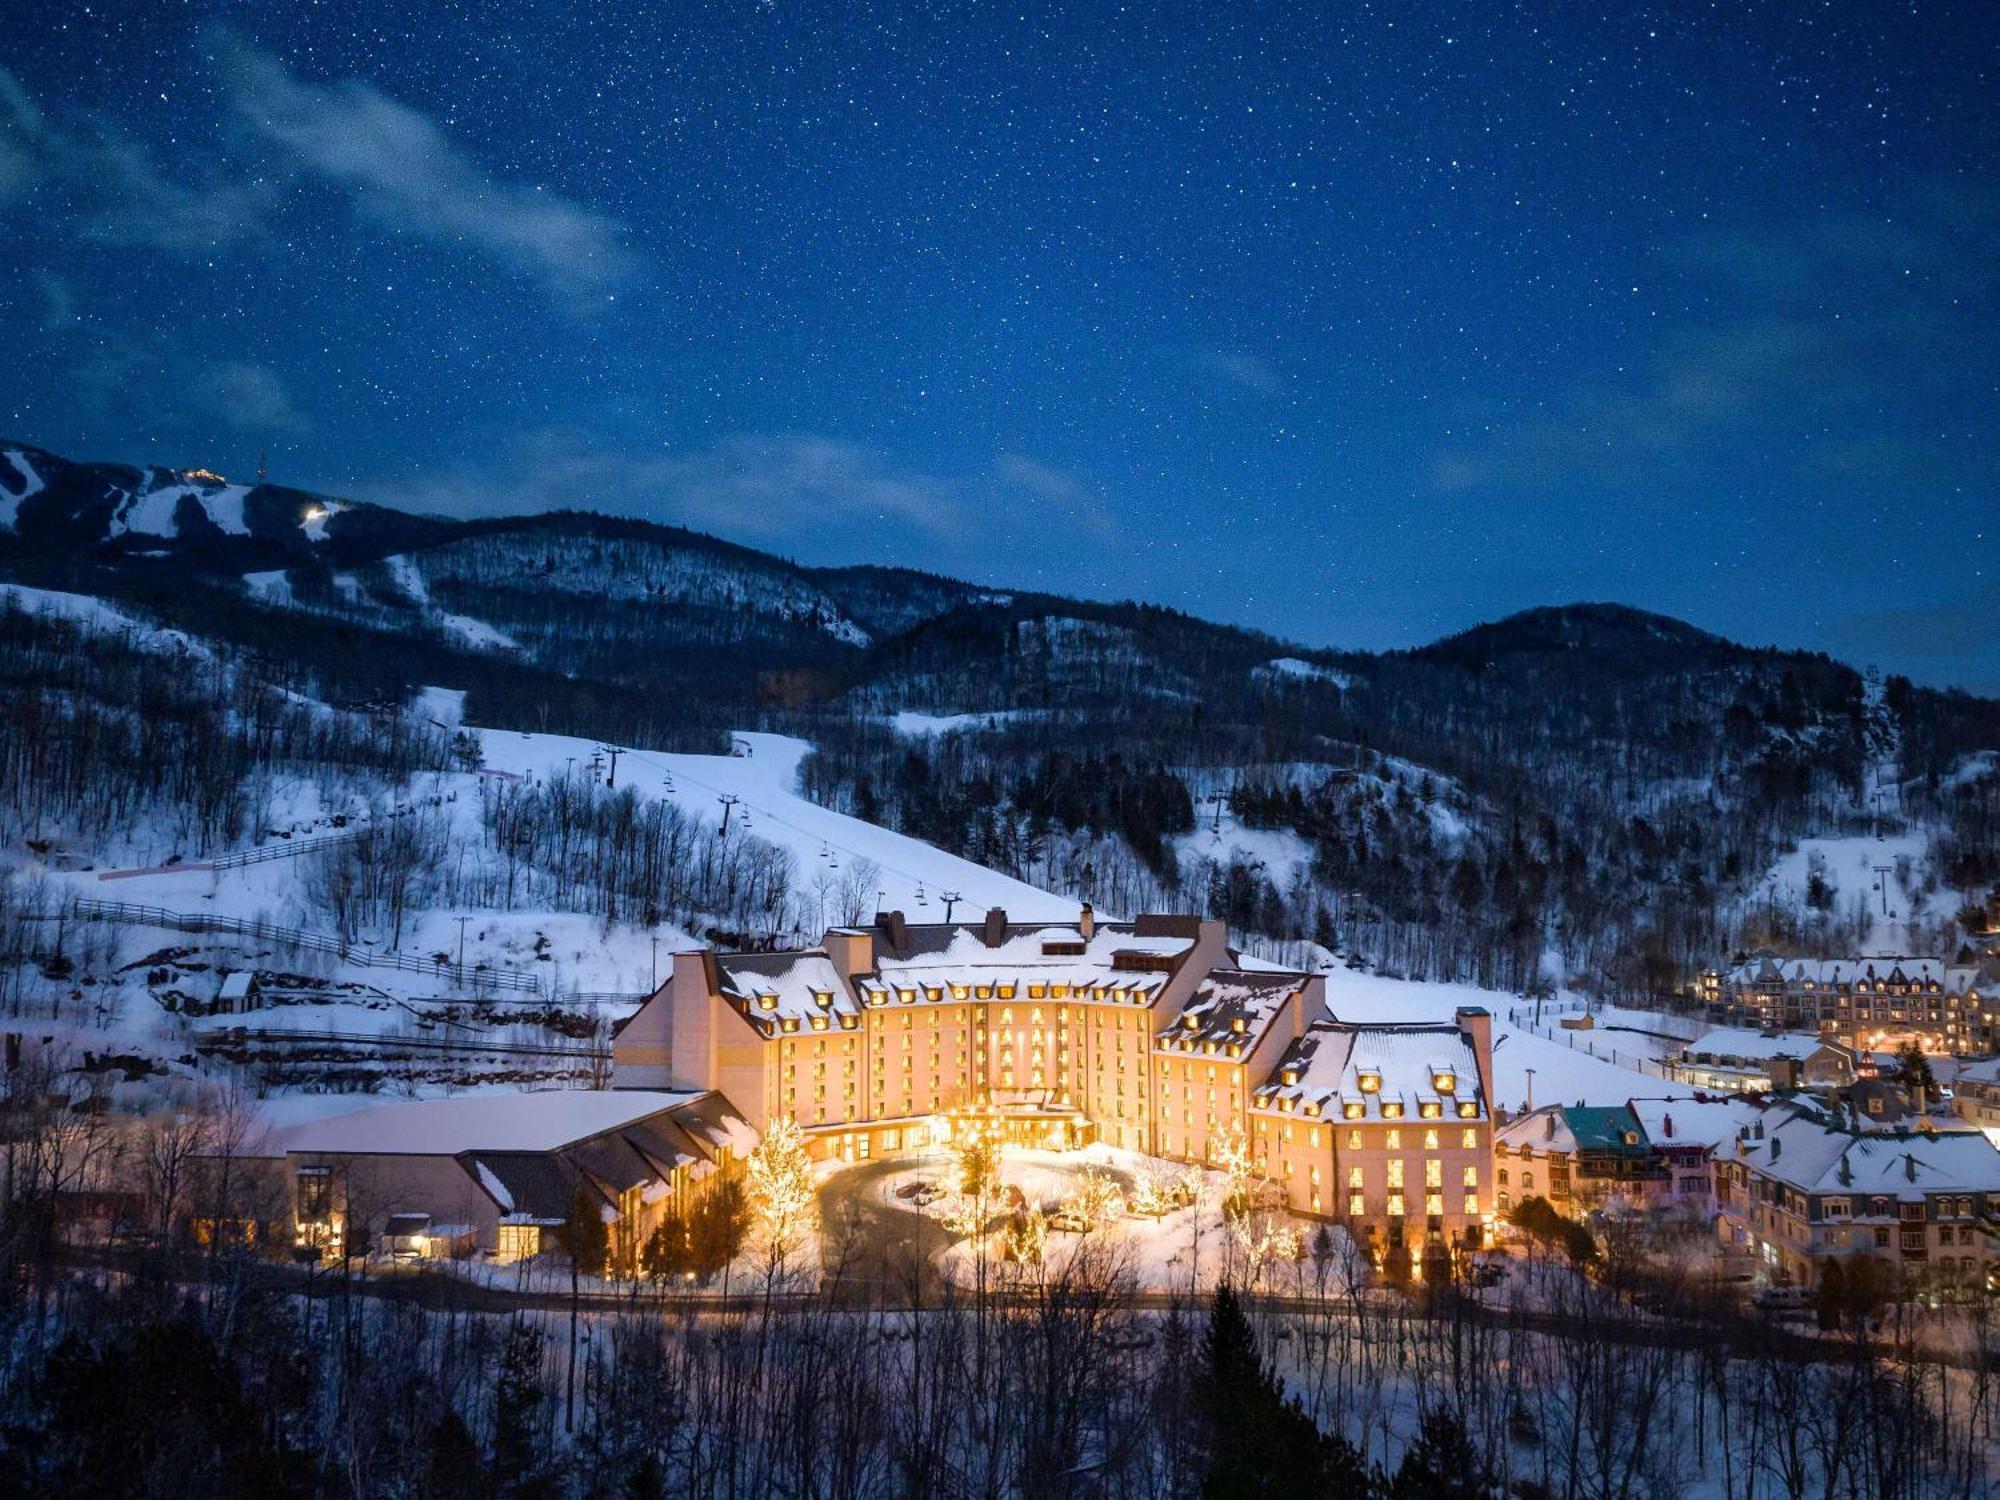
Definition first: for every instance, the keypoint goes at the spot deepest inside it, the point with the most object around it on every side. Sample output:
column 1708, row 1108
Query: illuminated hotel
column 1149, row 1035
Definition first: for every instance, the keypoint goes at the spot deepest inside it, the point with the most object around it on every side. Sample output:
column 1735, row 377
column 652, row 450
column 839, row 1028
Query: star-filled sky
column 1356, row 323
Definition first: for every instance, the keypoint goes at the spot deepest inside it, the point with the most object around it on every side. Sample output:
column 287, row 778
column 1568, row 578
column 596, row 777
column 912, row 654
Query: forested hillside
column 1588, row 793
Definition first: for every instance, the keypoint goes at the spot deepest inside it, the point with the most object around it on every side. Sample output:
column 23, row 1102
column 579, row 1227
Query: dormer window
column 791, row 1023
column 908, row 997
column 1467, row 1109
column 1430, row 1109
column 1444, row 1083
column 823, row 999
column 934, row 992
column 1237, row 1023
column 1312, row 1108
column 1352, row 1109
column 1371, row 1082
column 819, row 1023
column 1392, row 1110
column 767, row 1002
column 1290, row 1076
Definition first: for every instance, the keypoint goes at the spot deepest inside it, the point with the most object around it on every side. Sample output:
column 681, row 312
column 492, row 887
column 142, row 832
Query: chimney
column 1475, row 1024
column 1909, row 1166
column 1086, row 922
column 1549, row 1127
column 995, row 932
column 1777, row 1147
column 892, row 926
column 1667, row 1126
column 852, row 952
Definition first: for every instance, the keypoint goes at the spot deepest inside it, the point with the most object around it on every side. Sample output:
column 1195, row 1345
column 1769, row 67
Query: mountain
column 1586, row 788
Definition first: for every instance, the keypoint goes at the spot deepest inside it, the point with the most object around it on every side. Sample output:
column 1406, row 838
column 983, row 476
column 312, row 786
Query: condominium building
column 1869, row 1003
column 1797, row 1188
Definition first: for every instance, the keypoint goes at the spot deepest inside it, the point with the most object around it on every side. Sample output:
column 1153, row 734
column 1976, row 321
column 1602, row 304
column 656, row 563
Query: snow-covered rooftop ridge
column 1234, row 1006
column 1543, row 1129
column 1885, row 968
column 1708, row 1122
column 499, row 1121
column 1371, row 1071
column 964, row 946
column 1806, row 1151
column 785, row 986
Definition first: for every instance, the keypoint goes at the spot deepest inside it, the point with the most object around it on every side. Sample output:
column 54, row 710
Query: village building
column 1579, row 1157
column 1147, row 1035
column 1798, row 1188
column 1975, row 1090
column 1873, row 1003
column 493, row 1173
column 1737, row 1060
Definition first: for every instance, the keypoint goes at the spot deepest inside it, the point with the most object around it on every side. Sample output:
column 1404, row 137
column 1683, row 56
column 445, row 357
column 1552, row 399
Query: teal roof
column 1606, row 1129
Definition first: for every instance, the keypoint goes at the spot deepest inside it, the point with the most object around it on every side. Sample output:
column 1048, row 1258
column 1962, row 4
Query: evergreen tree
column 1256, row 1441
column 1442, row 1464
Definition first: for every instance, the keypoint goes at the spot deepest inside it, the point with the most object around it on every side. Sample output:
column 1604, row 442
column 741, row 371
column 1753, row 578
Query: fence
column 476, row 975
column 1652, row 1067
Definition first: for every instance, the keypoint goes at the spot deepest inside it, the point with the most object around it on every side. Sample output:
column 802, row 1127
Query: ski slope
column 913, row 875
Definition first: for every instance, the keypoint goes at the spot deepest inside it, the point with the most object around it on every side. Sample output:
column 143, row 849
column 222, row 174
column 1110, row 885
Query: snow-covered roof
column 1801, row 1149
column 1026, row 945
column 1231, row 1010
column 1839, row 973
column 1696, row 1122
column 236, row 986
column 1744, row 1045
column 1544, row 1129
column 547, row 1120
column 1367, row 1072
column 802, row 989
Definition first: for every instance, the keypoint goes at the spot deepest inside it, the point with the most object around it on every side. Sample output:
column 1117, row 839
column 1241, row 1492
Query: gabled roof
column 1804, row 1150
column 1606, row 1128
column 1360, row 1072
column 1231, row 1010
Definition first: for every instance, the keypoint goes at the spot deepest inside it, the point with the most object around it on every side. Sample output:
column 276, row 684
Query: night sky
column 1358, row 324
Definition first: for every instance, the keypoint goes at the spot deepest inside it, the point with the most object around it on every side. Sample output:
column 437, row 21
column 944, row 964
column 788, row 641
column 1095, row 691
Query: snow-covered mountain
column 1585, row 791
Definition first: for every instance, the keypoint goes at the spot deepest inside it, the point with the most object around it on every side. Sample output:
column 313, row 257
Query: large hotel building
column 1149, row 1035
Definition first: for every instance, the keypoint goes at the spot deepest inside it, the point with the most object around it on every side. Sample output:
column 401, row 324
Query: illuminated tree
column 781, row 1188
column 1095, row 1200
column 1028, row 1237
column 978, row 1181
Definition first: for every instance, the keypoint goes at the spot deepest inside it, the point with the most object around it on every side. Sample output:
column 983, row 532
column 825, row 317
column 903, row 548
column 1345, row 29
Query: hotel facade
column 1150, row 1036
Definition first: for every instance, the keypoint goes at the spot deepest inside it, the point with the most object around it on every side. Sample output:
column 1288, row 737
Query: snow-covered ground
column 912, row 875
column 918, row 726
column 1565, row 1071
column 1851, row 866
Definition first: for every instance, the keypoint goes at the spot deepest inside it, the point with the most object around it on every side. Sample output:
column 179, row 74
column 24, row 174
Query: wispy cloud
column 251, row 398
column 795, row 491
column 1819, row 317
column 1948, row 640
column 1054, row 491
column 401, row 170
column 107, row 187
column 758, row 487
column 1247, row 372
